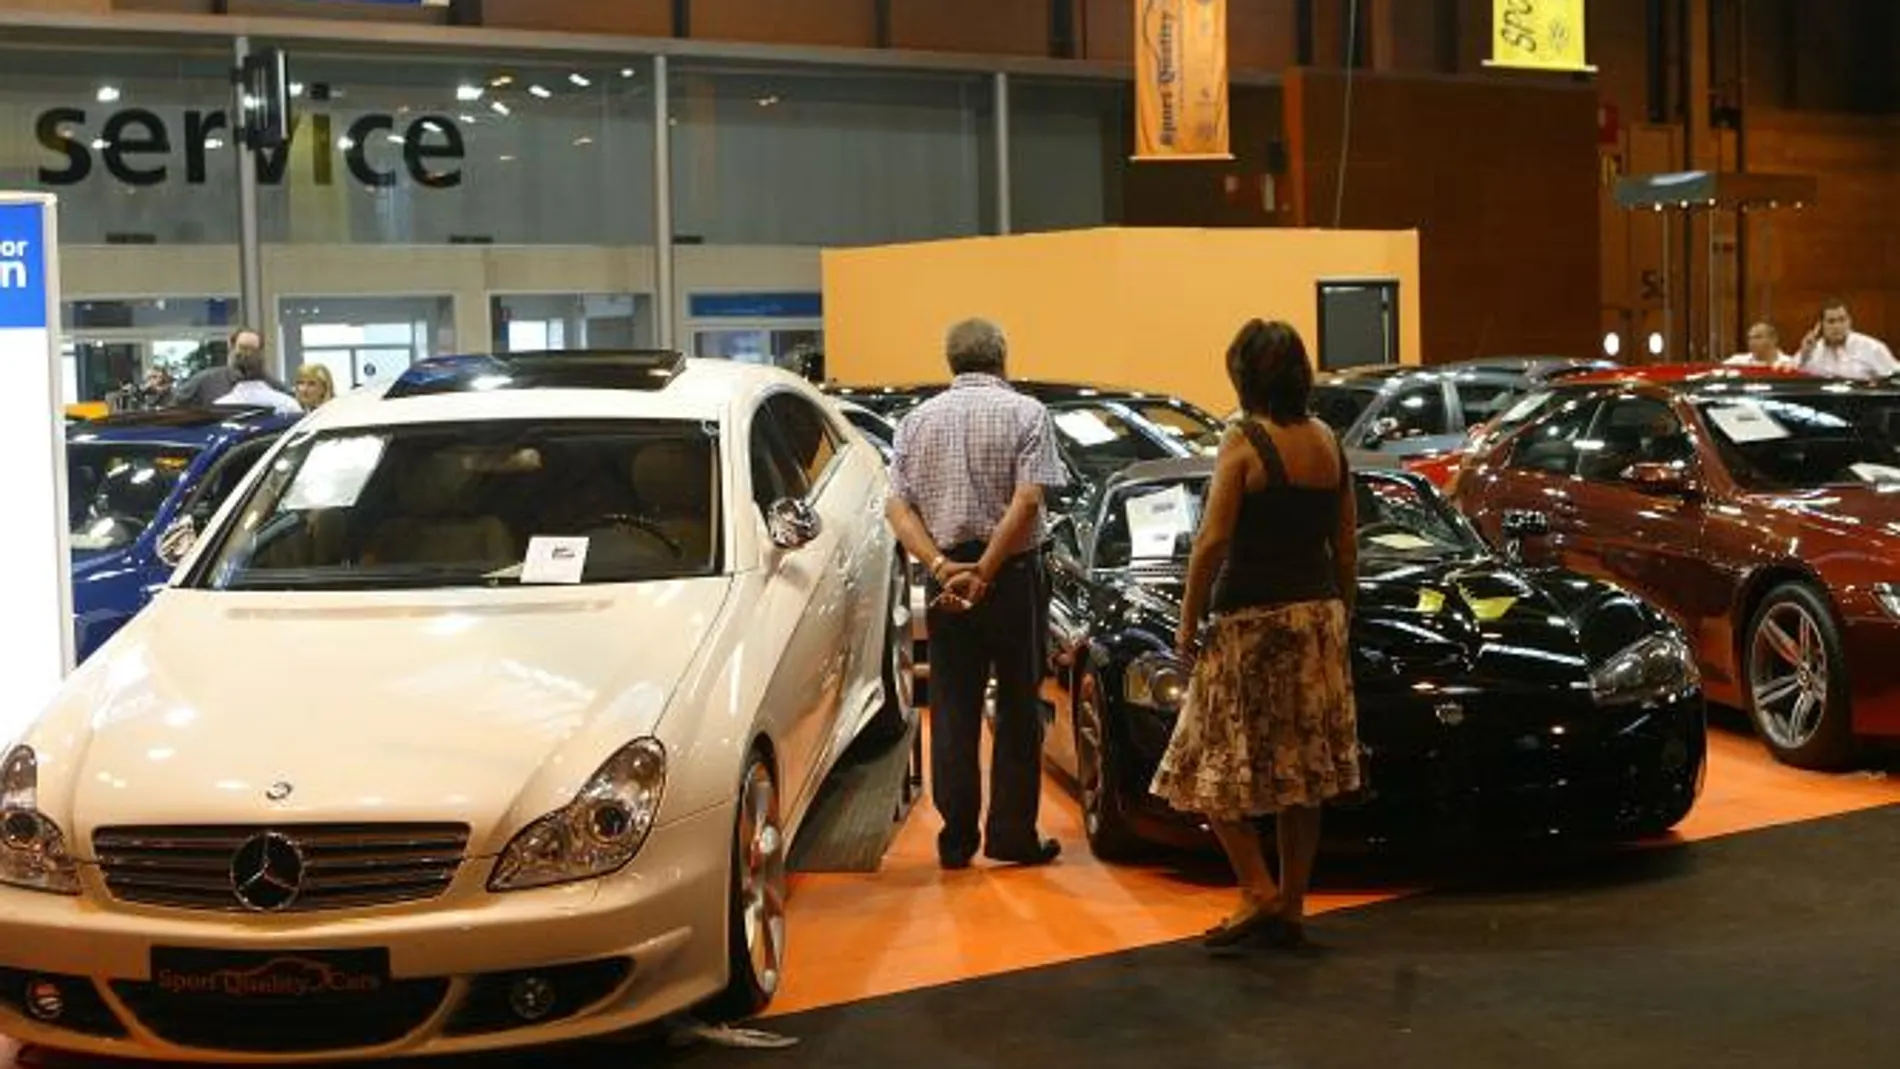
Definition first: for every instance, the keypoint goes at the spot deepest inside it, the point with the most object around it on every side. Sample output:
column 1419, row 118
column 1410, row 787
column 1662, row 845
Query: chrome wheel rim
column 1788, row 675
column 1088, row 757
column 762, row 878
column 902, row 654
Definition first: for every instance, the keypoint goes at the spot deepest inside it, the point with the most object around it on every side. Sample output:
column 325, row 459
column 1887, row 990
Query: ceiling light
column 540, row 91
column 498, row 107
column 1612, row 344
column 108, row 94
column 468, row 94
column 1656, row 344
column 583, row 141
column 501, row 80
column 507, row 159
column 580, row 80
column 768, row 101
column 627, row 72
column 214, row 143
column 296, row 89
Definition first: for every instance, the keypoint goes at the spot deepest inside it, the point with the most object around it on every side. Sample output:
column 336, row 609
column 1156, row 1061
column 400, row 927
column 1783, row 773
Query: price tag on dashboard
column 1746, row 422
column 554, row 560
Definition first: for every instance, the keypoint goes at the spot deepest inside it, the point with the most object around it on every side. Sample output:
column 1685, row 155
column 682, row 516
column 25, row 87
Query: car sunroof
column 639, row 369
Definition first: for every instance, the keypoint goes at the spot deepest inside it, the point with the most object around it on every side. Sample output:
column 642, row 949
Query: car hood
column 1473, row 622
column 371, row 707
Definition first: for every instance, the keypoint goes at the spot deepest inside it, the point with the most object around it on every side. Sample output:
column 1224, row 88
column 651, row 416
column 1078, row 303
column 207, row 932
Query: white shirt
column 1748, row 360
column 254, row 392
column 1861, row 357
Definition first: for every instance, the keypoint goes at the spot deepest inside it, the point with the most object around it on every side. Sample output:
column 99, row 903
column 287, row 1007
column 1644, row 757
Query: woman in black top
column 1269, row 725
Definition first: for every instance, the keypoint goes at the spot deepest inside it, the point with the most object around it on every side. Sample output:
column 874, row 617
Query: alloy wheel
column 1088, row 757
column 1788, row 675
column 762, row 878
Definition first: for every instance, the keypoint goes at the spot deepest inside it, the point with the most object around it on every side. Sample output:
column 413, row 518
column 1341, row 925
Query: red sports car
column 1761, row 511
column 1442, row 467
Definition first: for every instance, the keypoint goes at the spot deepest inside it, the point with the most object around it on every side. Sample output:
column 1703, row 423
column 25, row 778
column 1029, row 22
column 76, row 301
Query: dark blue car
column 131, row 479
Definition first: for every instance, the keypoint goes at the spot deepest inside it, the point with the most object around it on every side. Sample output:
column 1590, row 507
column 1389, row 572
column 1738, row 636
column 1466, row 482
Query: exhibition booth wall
column 1148, row 308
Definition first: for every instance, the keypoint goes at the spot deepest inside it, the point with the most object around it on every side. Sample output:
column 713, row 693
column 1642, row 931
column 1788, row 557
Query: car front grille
column 343, row 866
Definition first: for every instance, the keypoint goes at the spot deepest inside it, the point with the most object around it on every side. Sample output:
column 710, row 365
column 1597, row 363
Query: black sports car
column 1495, row 701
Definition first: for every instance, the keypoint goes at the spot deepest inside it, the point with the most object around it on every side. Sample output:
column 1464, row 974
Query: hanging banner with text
column 36, row 615
column 1181, row 80
column 1538, row 35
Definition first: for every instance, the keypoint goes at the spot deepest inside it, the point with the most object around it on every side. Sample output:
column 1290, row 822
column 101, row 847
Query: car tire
column 755, row 939
column 1794, row 679
column 1097, row 774
column 893, row 720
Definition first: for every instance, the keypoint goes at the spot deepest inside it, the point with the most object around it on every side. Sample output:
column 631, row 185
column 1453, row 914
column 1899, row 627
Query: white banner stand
column 36, row 612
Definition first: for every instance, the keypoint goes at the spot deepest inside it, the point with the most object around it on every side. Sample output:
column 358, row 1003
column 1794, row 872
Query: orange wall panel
column 845, row 23
column 1001, row 27
column 1149, row 308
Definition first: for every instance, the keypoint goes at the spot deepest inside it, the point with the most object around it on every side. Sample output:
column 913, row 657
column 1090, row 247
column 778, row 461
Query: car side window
column 224, row 477
column 775, row 473
column 1418, row 411
column 1633, row 430
column 1481, row 402
column 811, row 438
column 1552, row 447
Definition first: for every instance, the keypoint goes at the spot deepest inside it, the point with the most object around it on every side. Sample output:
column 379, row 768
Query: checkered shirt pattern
column 962, row 454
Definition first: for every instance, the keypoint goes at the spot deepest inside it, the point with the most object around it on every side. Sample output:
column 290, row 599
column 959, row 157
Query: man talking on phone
column 967, row 482
column 1834, row 349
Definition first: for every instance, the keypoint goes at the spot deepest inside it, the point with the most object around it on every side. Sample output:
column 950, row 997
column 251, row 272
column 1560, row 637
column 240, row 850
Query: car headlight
column 1659, row 666
column 1155, row 681
column 32, row 847
column 597, row 833
column 1888, row 594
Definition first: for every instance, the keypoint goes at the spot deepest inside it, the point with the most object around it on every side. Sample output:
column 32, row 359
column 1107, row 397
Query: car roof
column 1046, row 391
column 1681, row 374
column 189, row 428
column 1203, row 467
column 644, row 384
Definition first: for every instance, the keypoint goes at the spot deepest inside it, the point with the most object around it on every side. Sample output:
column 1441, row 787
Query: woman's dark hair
column 1267, row 363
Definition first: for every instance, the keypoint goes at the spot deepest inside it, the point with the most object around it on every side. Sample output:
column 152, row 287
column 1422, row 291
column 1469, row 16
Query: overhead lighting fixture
column 1656, row 343
column 501, row 81
column 507, row 159
column 214, row 143
column 581, row 142
column 627, row 72
column 580, row 80
column 296, row 89
column 468, row 94
column 108, row 94
column 1612, row 344
column 540, row 91
column 498, row 107
column 768, row 101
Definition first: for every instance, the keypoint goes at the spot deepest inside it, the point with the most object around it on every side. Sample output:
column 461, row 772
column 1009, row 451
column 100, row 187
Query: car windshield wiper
column 393, row 576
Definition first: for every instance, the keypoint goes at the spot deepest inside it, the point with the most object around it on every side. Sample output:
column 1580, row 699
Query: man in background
column 967, row 480
column 252, row 389
column 1834, row 349
column 1764, row 349
column 206, row 387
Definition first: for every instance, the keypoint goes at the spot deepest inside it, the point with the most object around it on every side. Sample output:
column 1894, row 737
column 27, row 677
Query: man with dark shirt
column 205, row 388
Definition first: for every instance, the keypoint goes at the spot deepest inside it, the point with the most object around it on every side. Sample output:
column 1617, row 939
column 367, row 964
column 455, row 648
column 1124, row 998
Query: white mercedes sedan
column 483, row 714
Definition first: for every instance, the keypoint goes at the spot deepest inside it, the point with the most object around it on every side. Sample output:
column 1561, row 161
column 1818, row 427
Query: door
column 794, row 458
column 1524, row 497
column 1646, row 540
column 1358, row 323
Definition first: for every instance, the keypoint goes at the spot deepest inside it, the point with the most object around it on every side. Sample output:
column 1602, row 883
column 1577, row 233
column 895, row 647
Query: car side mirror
column 793, row 524
column 1661, row 478
column 1383, row 430
column 175, row 542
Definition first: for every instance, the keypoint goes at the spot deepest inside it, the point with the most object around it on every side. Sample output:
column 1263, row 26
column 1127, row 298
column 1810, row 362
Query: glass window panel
column 364, row 340
column 535, row 321
column 409, row 150
column 828, row 157
column 1067, row 147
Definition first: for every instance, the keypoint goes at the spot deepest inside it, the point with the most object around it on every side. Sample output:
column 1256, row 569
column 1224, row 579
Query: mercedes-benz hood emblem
column 267, row 872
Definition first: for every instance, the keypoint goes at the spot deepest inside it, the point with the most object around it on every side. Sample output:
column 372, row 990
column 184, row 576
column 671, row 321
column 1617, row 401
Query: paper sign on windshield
column 1745, row 423
column 1085, row 427
column 334, row 474
column 554, row 560
column 1156, row 521
column 1402, row 541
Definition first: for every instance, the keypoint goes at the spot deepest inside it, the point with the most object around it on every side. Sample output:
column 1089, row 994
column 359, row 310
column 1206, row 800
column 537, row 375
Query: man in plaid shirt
column 966, row 498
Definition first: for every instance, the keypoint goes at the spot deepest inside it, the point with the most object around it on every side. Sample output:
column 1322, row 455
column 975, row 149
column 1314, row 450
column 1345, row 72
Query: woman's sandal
column 1225, row 936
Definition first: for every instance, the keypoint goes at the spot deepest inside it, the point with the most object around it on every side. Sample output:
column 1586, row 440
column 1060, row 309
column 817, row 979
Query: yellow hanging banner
column 1181, row 80
column 1538, row 35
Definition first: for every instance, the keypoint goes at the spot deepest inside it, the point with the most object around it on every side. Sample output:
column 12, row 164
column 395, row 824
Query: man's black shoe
column 1041, row 854
column 954, row 862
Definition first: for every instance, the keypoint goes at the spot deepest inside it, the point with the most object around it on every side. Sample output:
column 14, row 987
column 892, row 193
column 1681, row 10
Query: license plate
column 270, row 977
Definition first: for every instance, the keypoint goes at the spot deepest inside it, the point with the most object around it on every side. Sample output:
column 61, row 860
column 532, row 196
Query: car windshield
column 1340, row 404
column 116, row 490
column 1805, row 441
column 1153, row 523
column 1524, row 410
column 465, row 504
column 1102, row 441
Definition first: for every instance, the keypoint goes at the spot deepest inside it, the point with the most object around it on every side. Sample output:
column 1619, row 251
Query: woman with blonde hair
column 315, row 388
column 1269, row 726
